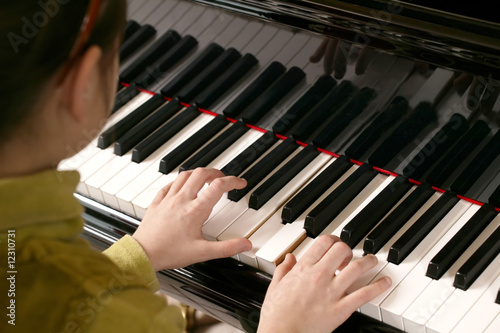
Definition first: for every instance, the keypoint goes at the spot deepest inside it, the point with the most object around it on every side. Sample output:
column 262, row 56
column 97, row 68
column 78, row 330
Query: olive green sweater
column 52, row 281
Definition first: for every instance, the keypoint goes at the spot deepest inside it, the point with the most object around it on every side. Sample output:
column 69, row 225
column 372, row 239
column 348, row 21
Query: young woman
column 58, row 69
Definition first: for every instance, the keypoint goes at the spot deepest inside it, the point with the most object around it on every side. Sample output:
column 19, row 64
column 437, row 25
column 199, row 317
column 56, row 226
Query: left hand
column 170, row 232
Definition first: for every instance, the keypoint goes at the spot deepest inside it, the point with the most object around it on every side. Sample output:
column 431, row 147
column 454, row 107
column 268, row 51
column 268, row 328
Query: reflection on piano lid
column 376, row 121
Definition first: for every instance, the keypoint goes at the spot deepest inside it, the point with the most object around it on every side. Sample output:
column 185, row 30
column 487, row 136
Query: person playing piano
column 58, row 78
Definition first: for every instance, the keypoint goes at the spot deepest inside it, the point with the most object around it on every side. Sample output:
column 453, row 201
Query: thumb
column 227, row 248
column 283, row 269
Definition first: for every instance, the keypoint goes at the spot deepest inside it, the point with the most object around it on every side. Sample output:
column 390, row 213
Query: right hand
column 308, row 295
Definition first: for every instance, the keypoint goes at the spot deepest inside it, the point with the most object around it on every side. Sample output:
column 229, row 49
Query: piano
column 374, row 120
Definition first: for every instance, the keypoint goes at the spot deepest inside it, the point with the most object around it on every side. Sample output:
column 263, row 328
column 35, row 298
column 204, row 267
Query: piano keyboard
column 258, row 108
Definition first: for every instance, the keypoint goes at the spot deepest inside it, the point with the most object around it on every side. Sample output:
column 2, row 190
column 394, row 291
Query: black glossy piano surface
column 389, row 139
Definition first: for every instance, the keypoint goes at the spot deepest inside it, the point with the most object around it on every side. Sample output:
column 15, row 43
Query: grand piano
column 374, row 120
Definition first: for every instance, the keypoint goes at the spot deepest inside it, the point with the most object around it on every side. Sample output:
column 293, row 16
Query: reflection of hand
column 170, row 233
column 308, row 295
column 483, row 92
column 335, row 57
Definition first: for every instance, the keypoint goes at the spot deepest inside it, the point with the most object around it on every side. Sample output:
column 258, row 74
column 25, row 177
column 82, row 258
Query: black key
column 191, row 145
column 216, row 147
column 354, row 231
column 443, row 140
column 273, row 95
column 155, row 51
column 421, row 228
column 443, row 260
column 208, row 75
column 134, row 42
column 241, row 162
column 146, row 127
column 478, row 262
column 324, row 213
column 380, row 125
column 264, row 167
column 116, row 131
column 283, row 176
column 306, row 197
column 312, row 97
column 209, row 54
column 422, row 116
column 166, row 62
column 163, row 134
column 326, row 108
column 255, row 89
column 125, row 96
column 495, row 198
column 397, row 218
column 340, row 122
column 470, row 140
column 498, row 297
column 226, row 81
column 130, row 28
column 478, row 165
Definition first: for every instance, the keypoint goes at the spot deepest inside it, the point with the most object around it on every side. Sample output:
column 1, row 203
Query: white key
column 134, row 6
column 156, row 16
column 483, row 312
column 284, row 241
column 260, row 237
column 292, row 234
column 494, row 327
column 229, row 31
column 460, row 301
column 126, row 195
column 408, row 278
column 193, row 20
column 145, row 10
column 437, row 291
column 98, row 179
column 252, row 219
column 97, row 162
column 173, row 15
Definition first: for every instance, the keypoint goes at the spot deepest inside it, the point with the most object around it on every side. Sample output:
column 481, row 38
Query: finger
column 212, row 194
column 161, row 194
column 224, row 249
column 336, row 258
column 329, row 56
column 283, row 269
column 320, row 52
column 318, row 249
column 198, row 179
column 341, row 55
column 179, row 182
column 364, row 58
column 350, row 303
column 355, row 269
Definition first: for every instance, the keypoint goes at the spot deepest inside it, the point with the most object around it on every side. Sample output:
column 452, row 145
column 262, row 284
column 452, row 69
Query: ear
column 81, row 82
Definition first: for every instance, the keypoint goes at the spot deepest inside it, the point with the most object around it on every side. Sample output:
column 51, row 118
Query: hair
column 36, row 38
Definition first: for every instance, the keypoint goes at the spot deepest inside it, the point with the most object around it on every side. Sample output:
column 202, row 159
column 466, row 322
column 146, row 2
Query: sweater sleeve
column 129, row 255
column 137, row 310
